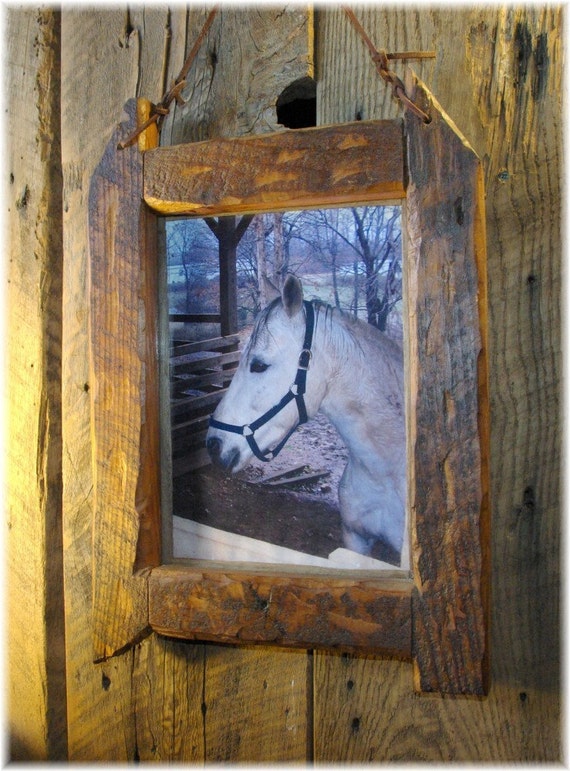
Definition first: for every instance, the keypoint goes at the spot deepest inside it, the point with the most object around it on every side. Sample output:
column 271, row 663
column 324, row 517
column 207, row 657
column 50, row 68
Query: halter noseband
column 297, row 392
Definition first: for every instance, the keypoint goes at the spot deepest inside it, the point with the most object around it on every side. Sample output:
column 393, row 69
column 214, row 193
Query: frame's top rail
column 348, row 164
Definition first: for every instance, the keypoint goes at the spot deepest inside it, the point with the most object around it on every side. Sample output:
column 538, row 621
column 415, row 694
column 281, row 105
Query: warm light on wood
column 355, row 163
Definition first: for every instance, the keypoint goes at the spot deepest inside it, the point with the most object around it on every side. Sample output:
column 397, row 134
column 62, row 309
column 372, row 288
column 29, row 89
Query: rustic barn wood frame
column 438, row 617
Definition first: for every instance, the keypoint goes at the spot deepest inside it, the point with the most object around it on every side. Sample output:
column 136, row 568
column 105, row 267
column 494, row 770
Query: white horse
column 347, row 369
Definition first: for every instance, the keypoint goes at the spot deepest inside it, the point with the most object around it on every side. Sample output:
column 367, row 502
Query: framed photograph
column 290, row 393
column 334, row 275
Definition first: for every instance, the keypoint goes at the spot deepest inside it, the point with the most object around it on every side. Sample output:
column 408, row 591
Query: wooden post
column 228, row 274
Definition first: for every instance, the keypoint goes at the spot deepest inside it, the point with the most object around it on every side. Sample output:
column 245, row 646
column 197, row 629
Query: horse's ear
column 292, row 295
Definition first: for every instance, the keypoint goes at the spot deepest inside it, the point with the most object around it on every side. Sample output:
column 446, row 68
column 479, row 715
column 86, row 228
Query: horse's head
column 267, row 370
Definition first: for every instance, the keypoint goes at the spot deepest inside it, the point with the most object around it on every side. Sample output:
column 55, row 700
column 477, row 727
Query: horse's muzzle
column 227, row 462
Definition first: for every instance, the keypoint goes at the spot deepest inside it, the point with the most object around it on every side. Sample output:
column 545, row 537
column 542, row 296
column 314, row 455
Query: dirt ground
column 304, row 516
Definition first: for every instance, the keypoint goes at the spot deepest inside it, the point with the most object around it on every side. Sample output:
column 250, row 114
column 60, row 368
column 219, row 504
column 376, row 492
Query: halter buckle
column 246, row 431
column 305, row 358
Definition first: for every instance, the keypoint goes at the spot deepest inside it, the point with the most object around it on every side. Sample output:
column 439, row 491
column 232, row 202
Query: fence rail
column 200, row 374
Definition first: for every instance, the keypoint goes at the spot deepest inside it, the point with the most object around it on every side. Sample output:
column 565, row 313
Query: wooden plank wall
column 498, row 74
column 35, row 687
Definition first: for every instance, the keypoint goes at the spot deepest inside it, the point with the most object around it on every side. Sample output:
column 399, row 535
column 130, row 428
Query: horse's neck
column 356, row 390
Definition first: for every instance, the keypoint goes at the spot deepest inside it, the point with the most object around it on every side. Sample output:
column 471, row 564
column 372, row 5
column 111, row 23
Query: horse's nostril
column 227, row 460
column 214, row 446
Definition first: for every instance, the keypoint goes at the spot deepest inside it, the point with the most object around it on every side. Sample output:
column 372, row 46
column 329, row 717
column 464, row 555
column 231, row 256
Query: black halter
column 297, row 392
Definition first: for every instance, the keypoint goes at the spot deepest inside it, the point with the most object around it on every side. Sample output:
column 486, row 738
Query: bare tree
column 278, row 260
column 378, row 244
column 357, row 249
column 365, row 242
column 261, row 259
column 190, row 246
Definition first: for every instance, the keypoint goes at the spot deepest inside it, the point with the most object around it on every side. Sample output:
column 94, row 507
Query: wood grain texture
column 123, row 691
column 448, row 407
column 220, row 703
column 359, row 162
column 248, row 58
column 254, row 709
column 99, row 696
column 288, row 608
column 168, row 691
column 498, row 73
column 500, row 80
column 118, row 245
column 148, row 495
column 35, row 678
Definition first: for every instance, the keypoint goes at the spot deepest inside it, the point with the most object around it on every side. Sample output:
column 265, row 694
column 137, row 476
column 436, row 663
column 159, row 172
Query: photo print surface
column 286, row 417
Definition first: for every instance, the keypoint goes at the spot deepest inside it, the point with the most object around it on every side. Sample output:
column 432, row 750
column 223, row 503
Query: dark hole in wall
column 297, row 104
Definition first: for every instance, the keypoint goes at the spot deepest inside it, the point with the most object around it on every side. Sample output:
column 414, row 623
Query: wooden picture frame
column 439, row 616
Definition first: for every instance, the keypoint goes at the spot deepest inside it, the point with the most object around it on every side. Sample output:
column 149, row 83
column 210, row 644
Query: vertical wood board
column 35, row 675
column 255, row 709
column 448, row 381
column 120, row 390
column 168, row 685
column 106, row 55
column 498, row 73
column 232, row 89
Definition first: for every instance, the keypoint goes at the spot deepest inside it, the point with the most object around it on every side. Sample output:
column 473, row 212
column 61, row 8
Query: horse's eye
column 258, row 366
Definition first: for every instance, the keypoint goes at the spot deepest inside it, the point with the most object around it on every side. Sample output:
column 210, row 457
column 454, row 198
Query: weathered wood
column 125, row 395
column 97, row 693
column 36, row 726
column 258, row 605
column 500, row 81
column 498, row 73
column 232, row 89
column 255, row 709
column 329, row 166
column 148, row 496
column 448, row 406
column 225, row 702
column 168, row 685
column 213, row 344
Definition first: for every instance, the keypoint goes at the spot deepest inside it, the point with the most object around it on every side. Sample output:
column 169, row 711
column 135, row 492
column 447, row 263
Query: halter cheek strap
column 297, row 392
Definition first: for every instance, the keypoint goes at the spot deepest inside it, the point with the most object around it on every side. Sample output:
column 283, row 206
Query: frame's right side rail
column 448, row 419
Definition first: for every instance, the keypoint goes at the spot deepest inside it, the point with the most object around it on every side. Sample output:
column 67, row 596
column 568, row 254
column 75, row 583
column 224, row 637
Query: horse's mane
column 348, row 334
column 352, row 335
